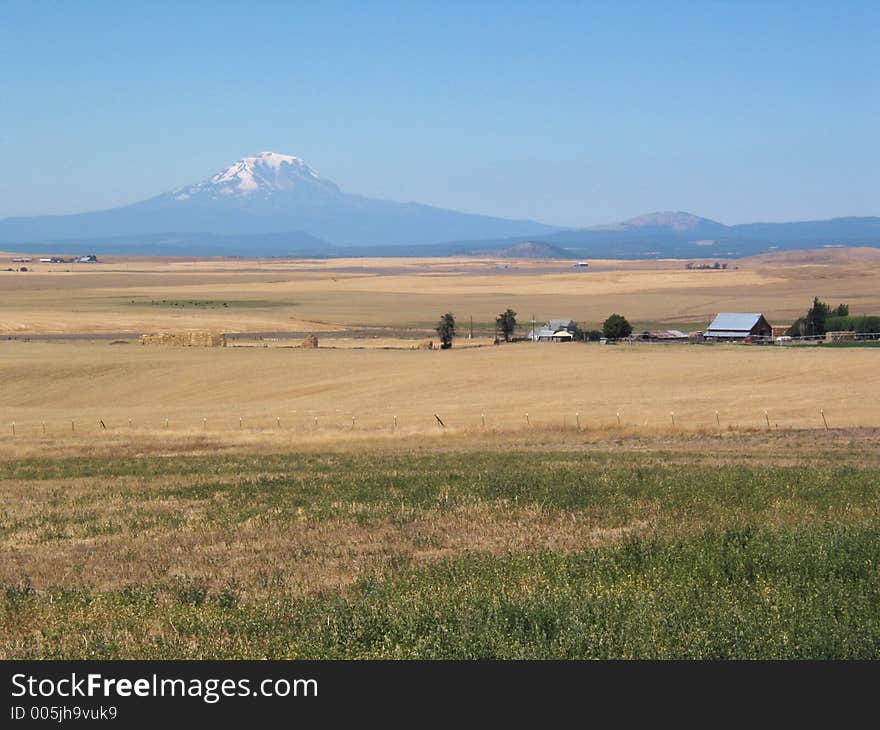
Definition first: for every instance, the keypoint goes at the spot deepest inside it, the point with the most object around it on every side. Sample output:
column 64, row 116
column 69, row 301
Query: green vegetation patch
column 438, row 555
column 808, row 593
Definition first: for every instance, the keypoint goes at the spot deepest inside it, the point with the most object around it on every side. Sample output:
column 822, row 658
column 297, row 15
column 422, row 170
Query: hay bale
column 184, row 339
column 426, row 345
column 840, row 336
column 310, row 342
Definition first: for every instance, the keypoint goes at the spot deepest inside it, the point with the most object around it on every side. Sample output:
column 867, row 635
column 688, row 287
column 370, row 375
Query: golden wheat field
column 135, row 295
column 367, row 379
column 288, row 395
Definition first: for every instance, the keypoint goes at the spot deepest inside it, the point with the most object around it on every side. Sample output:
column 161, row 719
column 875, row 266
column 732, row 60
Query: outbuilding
column 737, row 326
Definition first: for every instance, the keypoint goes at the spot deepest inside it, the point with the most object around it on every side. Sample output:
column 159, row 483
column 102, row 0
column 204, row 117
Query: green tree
column 446, row 330
column 616, row 327
column 816, row 316
column 505, row 324
column 842, row 310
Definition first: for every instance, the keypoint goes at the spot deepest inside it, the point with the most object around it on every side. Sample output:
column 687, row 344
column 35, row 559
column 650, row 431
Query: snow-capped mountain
column 272, row 193
column 272, row 204
column 263, row 174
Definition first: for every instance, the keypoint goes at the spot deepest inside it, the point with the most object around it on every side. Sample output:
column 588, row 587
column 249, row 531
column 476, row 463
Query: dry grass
column 176, row 537
column 278, row 393
column 287, row 295
column 305, row 522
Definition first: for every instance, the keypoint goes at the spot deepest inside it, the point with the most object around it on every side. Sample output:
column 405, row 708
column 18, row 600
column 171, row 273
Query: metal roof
column 734, row 322
column 667, row 334
column 560, row 324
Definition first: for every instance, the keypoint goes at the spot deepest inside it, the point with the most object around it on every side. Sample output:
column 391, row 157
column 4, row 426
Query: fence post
column 577, row 418
column 717, row 419
column 822, row 411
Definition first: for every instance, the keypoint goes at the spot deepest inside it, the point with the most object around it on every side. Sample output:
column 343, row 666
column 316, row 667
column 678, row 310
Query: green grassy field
column 440, row 554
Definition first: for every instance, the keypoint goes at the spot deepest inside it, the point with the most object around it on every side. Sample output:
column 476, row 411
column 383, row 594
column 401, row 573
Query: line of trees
column 817, row 319
column 616, row 327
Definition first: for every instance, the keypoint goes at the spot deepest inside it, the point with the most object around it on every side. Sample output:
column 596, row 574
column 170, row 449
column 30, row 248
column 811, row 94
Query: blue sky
column 570, row 113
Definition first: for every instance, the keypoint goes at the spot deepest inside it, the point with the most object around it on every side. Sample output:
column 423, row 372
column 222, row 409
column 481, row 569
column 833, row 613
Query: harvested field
column 205, row 391
column 149, row 295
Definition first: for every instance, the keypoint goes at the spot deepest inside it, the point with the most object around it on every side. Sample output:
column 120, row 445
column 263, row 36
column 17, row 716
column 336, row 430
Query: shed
column 543, row 334
column 561, row 324
column 732, row 326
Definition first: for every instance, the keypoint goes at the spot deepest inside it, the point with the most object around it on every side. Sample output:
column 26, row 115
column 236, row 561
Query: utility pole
column 534, row 334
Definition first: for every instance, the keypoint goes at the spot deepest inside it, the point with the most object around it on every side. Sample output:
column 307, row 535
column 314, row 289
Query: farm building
column 662, row 336
column 561, row 324
column 733, row 326
column 556, row 330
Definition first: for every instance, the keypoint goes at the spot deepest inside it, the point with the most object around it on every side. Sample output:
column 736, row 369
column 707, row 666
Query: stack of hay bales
column 840, row 336
column 426, row 345
column 310, row 342
column 184, row 339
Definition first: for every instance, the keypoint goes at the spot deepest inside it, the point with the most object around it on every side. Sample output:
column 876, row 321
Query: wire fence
column 340, row 423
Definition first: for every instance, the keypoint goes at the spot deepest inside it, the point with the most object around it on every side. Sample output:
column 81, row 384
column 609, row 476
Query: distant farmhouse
column 737, row 326
column 556, row 330
column 90, row 259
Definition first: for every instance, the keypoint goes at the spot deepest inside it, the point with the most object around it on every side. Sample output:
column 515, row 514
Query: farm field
column 632, row 550
column 61, row 393
column 370, row 500
column 132, row 295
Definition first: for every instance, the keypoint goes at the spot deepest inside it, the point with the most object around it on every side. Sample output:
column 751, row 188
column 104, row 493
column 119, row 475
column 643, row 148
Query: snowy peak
column 265, row 173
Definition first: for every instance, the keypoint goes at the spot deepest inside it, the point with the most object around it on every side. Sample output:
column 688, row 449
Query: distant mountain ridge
column 271, row 193
column 676, row 234
column 271, row 204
